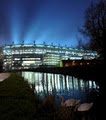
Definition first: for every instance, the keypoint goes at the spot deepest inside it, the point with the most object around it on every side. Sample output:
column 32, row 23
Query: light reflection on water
column 57, row 84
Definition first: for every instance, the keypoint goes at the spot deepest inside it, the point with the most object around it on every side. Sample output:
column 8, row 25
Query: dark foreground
column 18, row 101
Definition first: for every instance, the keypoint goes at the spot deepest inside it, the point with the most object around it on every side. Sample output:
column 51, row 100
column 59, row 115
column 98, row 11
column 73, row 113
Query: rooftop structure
column 32, row 55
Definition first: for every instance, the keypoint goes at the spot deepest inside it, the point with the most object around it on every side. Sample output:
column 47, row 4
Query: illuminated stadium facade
column 33, row 56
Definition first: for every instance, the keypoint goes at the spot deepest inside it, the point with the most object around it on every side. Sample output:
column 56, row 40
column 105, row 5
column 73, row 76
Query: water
column 68, row 86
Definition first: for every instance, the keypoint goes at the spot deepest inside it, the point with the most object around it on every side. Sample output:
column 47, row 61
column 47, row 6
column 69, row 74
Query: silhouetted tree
column 81, row 44
column 95, row 26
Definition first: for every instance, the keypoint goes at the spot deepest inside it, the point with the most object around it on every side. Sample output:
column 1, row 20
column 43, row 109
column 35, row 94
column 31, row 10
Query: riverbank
column 94, row 72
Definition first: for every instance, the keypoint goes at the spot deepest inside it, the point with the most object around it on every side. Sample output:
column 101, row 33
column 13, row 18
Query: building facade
column 33, row 56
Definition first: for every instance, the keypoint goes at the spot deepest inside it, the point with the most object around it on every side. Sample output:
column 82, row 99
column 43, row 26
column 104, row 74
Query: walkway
column 3, row 76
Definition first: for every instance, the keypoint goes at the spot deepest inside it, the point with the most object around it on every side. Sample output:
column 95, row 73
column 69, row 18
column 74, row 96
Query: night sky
column 52, row 21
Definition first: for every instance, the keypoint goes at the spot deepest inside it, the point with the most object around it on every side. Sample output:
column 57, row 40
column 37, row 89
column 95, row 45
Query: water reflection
column 68, row 86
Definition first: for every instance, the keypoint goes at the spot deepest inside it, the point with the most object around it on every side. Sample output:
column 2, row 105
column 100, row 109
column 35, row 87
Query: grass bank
column 17, row 100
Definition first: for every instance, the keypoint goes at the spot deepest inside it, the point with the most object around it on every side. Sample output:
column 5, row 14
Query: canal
column 45, row 84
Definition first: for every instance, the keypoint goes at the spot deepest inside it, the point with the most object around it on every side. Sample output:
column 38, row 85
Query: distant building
column 33, row 56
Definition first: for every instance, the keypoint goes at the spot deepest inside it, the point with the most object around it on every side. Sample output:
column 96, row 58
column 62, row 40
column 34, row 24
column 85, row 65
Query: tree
column 81, row 44
column 95, row 26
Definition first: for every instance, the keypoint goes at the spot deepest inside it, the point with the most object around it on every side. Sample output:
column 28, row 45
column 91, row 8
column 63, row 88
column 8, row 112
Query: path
column 3, row 76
